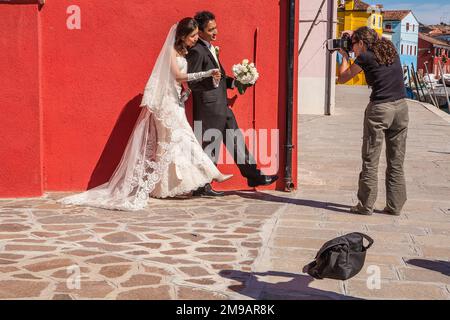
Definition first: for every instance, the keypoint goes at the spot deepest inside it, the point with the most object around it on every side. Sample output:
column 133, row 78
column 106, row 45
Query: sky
column 426, row 11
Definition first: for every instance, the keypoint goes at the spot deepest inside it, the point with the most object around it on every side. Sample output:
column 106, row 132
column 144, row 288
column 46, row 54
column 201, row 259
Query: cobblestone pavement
column 176, row 249
column 246, row 245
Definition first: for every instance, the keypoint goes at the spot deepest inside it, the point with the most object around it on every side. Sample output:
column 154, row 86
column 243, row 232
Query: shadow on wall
column 117, row 142
column 297, row 286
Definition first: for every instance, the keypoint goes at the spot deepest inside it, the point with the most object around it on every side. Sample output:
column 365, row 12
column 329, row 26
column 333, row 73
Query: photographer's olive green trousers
column 388, row 121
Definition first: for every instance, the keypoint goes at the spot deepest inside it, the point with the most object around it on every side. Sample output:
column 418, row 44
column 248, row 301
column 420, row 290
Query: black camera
column 345, row 43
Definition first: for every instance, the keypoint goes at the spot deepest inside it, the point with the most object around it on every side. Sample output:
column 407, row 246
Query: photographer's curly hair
column 384, row 50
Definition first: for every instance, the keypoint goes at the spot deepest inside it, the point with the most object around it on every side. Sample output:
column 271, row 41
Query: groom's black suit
column 211, row 108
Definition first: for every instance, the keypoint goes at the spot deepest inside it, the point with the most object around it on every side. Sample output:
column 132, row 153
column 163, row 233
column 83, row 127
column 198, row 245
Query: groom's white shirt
column 211, row 49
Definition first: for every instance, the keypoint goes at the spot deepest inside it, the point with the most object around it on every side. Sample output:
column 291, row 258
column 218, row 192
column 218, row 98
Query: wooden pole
column 415, row 83
column 418, row 80
column 432, row 88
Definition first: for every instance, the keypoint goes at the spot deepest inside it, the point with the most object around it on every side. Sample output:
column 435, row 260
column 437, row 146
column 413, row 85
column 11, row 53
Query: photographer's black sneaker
column 359, row 209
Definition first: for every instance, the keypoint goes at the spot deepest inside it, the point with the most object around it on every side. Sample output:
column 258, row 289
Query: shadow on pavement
column 295, row 288
column 438, row 265
column 256, row 195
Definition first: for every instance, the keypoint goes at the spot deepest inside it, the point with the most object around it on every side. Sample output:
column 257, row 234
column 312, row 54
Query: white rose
column 245, row 61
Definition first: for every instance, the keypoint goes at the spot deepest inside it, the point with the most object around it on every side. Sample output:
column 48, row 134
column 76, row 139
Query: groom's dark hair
column 203, row 18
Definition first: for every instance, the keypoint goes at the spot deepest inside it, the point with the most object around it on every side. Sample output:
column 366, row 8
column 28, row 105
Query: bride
column 163, row 157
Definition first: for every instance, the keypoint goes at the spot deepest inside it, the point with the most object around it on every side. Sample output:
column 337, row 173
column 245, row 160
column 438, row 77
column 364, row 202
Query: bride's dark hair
column 184, row 28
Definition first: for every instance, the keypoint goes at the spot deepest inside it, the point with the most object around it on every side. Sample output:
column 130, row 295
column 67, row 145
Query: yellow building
column 353, row 14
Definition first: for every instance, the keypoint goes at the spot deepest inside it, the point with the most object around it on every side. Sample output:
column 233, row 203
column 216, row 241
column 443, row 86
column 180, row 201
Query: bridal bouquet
column 246, row 75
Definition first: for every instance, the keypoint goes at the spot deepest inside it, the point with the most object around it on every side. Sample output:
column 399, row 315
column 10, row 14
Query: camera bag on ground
column 340, row 258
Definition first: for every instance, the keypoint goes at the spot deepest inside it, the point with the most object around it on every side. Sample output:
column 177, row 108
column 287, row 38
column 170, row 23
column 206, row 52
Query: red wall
column 92, row 79
column 20, row 119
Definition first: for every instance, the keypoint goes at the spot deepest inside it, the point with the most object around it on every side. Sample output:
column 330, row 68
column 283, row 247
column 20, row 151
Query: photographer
column 386, row 116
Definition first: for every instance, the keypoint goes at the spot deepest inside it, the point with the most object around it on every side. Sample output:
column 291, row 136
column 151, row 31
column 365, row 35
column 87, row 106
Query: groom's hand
column 217, row 75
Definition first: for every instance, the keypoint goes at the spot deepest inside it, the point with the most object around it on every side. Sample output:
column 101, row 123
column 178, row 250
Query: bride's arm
column 177, row 74
column 181, row 76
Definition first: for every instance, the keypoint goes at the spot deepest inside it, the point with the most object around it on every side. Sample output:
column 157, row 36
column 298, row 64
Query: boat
column 430, row 80
column 430, row 92
column 446, row 78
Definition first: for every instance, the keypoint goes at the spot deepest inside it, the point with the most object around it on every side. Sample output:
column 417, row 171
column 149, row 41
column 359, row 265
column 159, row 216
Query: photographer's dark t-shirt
column 386, row 81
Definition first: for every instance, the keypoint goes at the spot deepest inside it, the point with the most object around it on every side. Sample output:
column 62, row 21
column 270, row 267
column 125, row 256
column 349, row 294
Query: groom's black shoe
column 262, row 180
column 207, row 191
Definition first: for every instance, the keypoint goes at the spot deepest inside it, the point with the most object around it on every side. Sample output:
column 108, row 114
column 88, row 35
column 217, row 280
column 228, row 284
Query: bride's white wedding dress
column 163, row 157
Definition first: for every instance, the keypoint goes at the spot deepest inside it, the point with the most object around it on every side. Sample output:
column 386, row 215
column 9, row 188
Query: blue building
column 404, row 27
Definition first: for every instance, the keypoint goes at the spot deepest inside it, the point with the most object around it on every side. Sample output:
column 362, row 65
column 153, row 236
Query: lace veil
column 144, row 159
column 161, row 77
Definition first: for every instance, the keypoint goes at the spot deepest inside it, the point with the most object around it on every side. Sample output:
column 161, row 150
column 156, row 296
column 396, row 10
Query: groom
column 211, row 107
